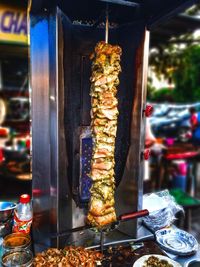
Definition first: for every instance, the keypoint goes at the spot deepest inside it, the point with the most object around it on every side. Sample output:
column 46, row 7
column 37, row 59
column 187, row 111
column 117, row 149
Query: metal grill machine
column 63, row 35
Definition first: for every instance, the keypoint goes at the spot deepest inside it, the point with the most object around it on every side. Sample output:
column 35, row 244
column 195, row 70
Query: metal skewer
column 102, row 237
column 107, row 25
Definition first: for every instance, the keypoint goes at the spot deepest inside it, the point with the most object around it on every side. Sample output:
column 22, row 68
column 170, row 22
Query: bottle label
column 21, row 226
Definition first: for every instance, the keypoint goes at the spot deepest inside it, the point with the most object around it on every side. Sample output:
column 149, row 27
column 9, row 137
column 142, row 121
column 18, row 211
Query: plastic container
column 23, row 215
column 16, row 241
column 180, row 181
column 17, row 258
column 180, row 175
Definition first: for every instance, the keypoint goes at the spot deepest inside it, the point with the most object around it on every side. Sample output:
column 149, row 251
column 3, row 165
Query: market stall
column 64, row 80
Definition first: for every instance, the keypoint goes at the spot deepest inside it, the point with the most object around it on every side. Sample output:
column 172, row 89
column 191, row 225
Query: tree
column 194, row 10
column 182, row 67
column 178, row 60
column 187, row 75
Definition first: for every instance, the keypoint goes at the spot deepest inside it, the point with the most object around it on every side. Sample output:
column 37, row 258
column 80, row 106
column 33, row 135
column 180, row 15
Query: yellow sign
column 13, row 25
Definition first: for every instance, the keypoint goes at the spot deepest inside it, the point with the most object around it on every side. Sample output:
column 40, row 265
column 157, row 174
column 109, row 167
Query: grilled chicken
column 100, row 221
column 99, row 175
column 103, row 150
column 103, row 163
column 102, row 190
column 104, row 114
column 103, row 138
column 99, row 207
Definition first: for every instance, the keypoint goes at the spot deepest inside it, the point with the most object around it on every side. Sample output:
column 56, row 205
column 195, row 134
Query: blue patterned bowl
column 177, row 241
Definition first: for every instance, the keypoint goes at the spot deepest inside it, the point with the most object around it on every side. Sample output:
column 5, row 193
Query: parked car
column 175, row 123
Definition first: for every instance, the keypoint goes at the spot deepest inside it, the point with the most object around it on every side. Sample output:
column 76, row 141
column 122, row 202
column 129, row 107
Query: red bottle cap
column 25, row 198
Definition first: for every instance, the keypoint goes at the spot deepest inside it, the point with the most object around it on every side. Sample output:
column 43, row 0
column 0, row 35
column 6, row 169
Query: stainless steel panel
column 39, row 56
column 49, row 158
column 130, row 191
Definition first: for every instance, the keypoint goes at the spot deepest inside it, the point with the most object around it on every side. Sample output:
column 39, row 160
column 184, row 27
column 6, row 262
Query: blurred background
column 173, row 90
column 15, row 176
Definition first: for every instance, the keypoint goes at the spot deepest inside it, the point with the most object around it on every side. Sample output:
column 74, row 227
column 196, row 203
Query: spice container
column 16, row 241
column 17, row 258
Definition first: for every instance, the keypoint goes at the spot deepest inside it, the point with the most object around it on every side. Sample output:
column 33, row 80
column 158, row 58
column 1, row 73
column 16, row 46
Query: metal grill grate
column 85, row 164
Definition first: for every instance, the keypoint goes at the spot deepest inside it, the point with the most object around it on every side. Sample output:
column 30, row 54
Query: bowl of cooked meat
column 155, row 261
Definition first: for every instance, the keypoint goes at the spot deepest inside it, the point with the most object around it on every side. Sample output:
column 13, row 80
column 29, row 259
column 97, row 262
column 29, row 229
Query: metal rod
column 107, row 25
column 102, row 241
column 134, row 240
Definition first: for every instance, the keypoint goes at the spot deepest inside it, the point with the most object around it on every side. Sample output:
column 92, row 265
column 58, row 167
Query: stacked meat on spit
column 104, row 113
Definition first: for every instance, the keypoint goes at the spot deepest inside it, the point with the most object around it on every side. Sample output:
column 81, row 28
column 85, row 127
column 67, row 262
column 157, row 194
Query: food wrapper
column 162, row 210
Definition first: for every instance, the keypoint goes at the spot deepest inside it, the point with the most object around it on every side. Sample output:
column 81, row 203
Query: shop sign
column 13, row 25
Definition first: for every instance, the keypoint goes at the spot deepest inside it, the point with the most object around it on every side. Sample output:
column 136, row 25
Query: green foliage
column 187, row 75
column 178, row 60
column 164, row 59
column 182, row 65
column 162, row 95
column 150, row 89
column 194, row 10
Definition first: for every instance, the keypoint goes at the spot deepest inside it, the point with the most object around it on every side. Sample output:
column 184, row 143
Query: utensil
column 108, row 227
column 6, row 217
column 16, row 241
column 141, row 261
column 6, row 227
column 17, row 258
column 122, row 218
column 194, row 264
column 130, row 241
column 6, row 210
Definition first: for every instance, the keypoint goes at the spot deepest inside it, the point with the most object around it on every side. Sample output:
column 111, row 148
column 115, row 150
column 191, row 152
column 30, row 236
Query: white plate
column 140, row 262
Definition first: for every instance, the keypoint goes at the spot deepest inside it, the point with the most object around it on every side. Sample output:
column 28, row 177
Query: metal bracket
column 121, row 2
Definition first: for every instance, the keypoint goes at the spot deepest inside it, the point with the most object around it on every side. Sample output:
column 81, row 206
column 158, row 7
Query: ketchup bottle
column 23, row 215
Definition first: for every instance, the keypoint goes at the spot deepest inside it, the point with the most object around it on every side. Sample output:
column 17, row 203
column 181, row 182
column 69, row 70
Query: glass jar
column 16, row 241
column 17, row 258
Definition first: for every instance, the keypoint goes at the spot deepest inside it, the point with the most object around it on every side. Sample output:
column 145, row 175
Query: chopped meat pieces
column 70, row 256
column 153, row 261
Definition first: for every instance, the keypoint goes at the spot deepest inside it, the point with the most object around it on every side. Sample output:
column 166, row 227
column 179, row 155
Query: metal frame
column 55, row 204
column 168, row 13
column 121, row 2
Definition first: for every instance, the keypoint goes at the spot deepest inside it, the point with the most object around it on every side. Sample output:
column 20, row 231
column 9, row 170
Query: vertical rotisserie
column 104, row 113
